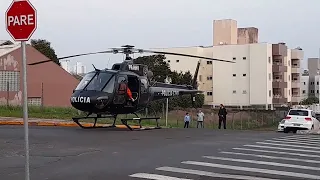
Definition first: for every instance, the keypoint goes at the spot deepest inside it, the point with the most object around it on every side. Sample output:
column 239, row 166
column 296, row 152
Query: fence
column 236, row 119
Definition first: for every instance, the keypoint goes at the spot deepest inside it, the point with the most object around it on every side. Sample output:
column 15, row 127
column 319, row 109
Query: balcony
column 279, row 49
column 279, row 67
column 279, row 83
column 295, row 84
column 277, row 99
column 296, row 54
column 295, row 69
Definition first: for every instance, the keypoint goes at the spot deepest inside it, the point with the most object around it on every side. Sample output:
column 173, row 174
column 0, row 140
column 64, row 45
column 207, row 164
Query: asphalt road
column 100, row 154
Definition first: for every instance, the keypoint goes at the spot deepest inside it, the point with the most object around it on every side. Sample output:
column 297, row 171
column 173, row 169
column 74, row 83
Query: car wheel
column 285, row 130
column 294, row 131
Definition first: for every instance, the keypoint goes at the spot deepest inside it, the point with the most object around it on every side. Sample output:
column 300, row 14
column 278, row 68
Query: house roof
column 7, row 46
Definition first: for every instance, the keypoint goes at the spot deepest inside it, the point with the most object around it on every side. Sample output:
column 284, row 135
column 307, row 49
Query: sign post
column 21, row 22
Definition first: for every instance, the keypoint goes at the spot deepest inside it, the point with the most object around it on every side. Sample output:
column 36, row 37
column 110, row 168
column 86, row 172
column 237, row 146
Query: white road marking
column 155, row 176
column 288, row 149
column 210, row 174
column 273, row 157
column 294, row 142
column 256, row 170
column 276, row 152
column 298, row 140
column 289, row 145
column 301, row 137
column 264, row 163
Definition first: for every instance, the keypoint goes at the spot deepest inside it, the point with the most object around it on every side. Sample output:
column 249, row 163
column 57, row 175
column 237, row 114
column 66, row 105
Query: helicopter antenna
column 95, row 68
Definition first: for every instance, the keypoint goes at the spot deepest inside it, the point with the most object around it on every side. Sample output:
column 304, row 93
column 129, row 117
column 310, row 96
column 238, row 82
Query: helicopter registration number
column 169, row 93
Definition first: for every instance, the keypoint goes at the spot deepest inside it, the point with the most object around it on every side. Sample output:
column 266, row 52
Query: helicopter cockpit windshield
column 95, row 81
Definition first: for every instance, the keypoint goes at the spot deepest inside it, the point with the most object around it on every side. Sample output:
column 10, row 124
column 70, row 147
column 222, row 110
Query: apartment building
column 263, row 74
column 304, row 85
column 297, row 56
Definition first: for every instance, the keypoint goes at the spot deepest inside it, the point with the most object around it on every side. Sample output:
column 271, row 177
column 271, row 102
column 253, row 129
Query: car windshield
column 96, row 81
column 298, row 112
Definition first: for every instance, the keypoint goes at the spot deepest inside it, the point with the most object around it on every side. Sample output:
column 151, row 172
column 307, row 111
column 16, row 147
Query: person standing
column 200, row 119
column 222, row 116
column 186, row 120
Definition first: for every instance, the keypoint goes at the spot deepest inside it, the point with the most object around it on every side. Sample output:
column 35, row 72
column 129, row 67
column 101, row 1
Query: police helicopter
column 126, row 88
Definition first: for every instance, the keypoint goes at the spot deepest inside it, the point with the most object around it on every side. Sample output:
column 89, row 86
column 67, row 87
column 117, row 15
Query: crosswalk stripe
column 209, row 174
column 272, row 157
column 155, row 176
column 294, row 142
column 276, row 152
column 299, row 140
column 256, row 170
column 301, row 137
column 288, row 149
column 289, row 145
column 264, row 163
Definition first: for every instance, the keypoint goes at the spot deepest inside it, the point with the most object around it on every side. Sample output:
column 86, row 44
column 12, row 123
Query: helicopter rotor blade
column 76, row 55
column 187, row 55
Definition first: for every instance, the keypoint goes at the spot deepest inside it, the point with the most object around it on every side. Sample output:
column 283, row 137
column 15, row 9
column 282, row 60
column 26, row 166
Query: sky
column 80, row 26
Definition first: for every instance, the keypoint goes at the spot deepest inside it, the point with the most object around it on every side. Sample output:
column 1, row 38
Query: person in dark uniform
column 222, row 116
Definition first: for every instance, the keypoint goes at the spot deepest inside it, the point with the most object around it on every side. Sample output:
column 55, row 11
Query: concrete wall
column 304, row 87
column 225, row 31
column 247, row 35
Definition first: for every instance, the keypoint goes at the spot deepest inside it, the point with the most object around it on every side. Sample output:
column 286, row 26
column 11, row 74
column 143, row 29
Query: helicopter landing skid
column 125, row 122
column 76, row 120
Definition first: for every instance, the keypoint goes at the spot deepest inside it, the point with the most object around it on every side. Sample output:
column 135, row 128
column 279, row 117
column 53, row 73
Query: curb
column 59, row 124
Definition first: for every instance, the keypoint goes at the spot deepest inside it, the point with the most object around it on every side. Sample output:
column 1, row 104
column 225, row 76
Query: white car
column 281, row 125
column 300, row 119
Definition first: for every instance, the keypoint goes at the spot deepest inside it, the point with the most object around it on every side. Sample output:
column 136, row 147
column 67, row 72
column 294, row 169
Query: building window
column 168, row 61
column 244, row 58
column 200, row 78
column 269, row 59
column 269, row 93
column 209, row 78
column 244, row 75
column 289, row 78
column 34, row 101
column 177, row 60
column 318, row 83
column 312, row 83
column 234, row 75
column 9, row 80
column 270, row 76
column 304, row 83
column 312, row 91
column 244, row 92
column 304, row 91
column 234, row 91
column 289, row 92
column 209, row 62
column 289, row 63
column 234, row 58
column 209, row 93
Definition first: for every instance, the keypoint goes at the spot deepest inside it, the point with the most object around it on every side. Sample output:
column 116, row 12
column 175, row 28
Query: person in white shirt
column 200, row 119
column 186, row 120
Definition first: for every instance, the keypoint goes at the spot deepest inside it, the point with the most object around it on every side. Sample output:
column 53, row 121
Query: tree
column 309, row 100
column 156, row 64
column 161, row 69
column 45, row 48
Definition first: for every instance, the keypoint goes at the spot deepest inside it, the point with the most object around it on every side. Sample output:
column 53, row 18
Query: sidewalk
column 50, row 122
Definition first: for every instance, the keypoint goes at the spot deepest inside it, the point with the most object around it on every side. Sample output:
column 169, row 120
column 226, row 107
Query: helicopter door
column 144, row 96
column 120, row 96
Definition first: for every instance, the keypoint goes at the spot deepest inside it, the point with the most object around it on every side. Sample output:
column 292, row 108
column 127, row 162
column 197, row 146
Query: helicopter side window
column 110, row 86
column 85, row 80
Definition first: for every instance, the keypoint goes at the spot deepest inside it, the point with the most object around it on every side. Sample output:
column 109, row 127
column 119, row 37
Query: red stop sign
column 21, row 20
